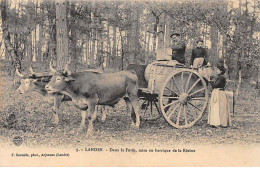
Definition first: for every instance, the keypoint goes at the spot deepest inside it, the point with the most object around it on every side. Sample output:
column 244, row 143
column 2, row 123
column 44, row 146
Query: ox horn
column 51, row 68
column 36, row 74
column 31, row 69
column 66, row 69
column 18, row 73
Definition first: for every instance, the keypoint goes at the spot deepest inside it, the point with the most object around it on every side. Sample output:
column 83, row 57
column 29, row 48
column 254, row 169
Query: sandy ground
column 33, row 123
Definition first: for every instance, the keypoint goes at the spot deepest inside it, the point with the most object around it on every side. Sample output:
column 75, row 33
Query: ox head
column 28, row 82
column 27, row 85
column 59, row 80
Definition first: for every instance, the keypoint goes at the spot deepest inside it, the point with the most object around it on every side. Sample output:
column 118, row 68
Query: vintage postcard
column 113, row 83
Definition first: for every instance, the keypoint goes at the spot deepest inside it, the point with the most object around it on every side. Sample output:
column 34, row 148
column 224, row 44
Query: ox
column 35, row 82
column 88, row 89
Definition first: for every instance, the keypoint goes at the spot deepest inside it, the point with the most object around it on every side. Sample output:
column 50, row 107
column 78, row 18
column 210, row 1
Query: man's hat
column 176, row 33
column 200, row 40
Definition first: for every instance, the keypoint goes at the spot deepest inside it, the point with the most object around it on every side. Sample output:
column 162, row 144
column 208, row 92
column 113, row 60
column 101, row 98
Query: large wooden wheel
column 183, row 98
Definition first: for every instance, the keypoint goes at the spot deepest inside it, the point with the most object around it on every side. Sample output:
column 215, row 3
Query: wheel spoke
column 198, row 98
column 188, row 81
column 172, row 111
column 197, row 91
column 194, row 106
column 172, row 91
column 177, row 86
column 156, row 106
column 190, row 114
column 170, row 104
column 178, row 117
column 185, row 115
column 193, row 86
column 182, row 83
column 146, row 107
column 151, row 107
column 170, row 97
column 144, row 102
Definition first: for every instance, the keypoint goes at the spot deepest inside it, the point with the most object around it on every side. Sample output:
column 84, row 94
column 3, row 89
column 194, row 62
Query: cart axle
column 184, row 98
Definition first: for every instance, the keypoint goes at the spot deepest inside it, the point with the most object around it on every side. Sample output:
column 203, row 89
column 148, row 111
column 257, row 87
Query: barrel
column 157, row 72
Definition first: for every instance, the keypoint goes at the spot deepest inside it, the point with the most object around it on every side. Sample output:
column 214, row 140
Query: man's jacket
column 178, row 51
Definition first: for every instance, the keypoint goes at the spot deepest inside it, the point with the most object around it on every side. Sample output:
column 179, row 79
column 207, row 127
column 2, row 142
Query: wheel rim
column 188, row 93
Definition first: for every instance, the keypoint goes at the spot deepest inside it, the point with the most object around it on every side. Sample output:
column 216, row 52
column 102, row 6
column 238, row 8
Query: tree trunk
column 214, row 40
column 239, row 73
column 168, row 24
column 62, row 34
column 87, row 52
column 258, row 81
column 108, row 45
column 122, row 50
column 224, row 54
column 114, row 56
column 161, row 32
column 145, row 39
column 7, row 39
column 93, row 49
column 157, row 19
column 29, row 48
column 134, row 41
column 41, row 37
column 147, row 60
column 98, row 55
column 52, row 31
column 73, row 28
column 148, row 42
column 35, row 52
column 128, row 32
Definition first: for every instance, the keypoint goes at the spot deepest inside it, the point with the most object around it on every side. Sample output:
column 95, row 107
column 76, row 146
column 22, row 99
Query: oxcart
column 171, row 90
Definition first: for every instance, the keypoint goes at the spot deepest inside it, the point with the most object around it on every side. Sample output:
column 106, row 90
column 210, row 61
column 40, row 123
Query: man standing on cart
column 178, row 48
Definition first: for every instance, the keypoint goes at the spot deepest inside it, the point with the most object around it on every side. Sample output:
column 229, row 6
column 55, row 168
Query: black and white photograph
column 129, row 83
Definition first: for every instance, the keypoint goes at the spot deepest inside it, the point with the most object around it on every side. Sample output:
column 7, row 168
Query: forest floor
column 33, row 117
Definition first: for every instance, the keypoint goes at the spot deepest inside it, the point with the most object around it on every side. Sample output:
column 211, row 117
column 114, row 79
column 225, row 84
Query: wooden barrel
column 157, row 72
